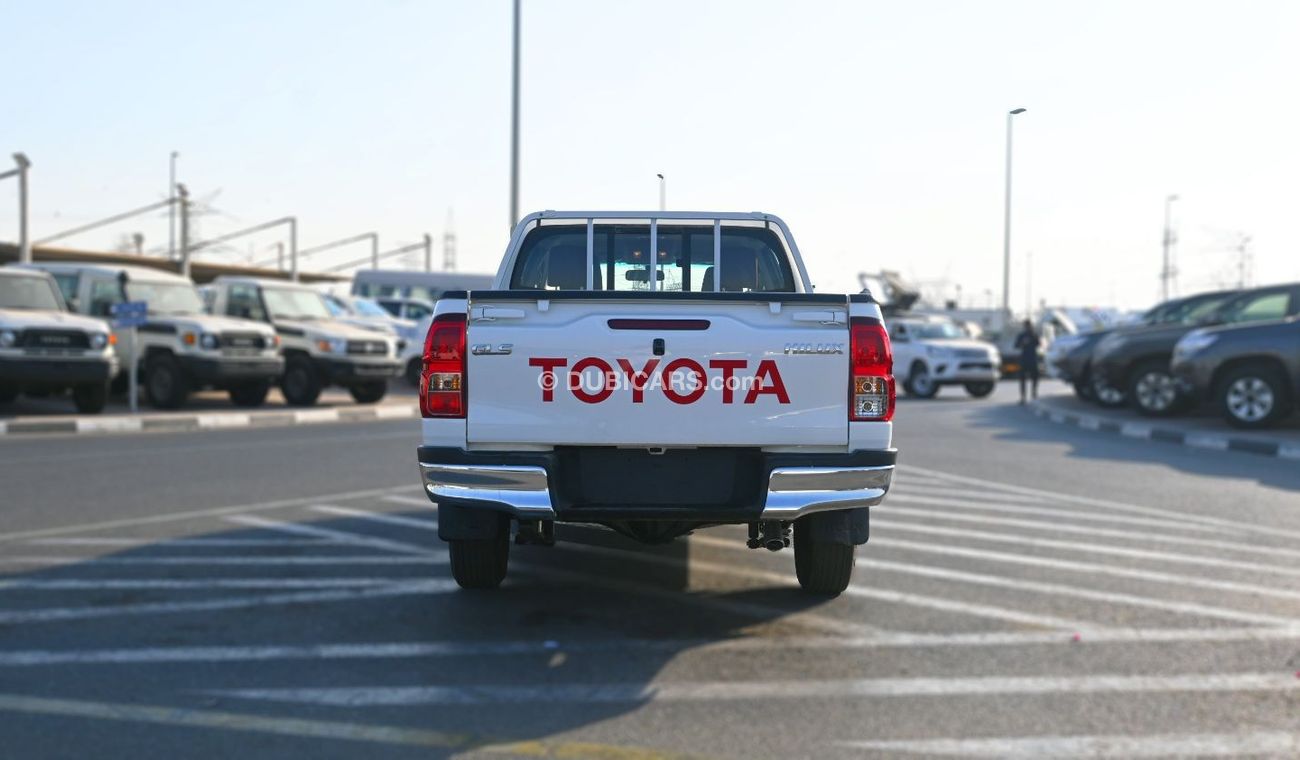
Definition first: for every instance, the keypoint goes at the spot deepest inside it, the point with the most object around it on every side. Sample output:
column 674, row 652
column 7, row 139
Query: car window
column 1262, row 306
column 68, row 287
column 394, row 308
column 24, row 292
column 1195, row 311
column 103, row 294
column 243, row 301
column 555, row 258
column 417, row 311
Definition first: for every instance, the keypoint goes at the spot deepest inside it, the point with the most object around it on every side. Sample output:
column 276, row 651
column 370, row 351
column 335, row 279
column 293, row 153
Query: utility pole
column 1167, row 271
column 279, row 255
column 1029, row 284
column 514, row 126
column 24, row 243
column 1006, row 229
column 184, row 196
column 1243, row 261
column 171, row 210
column 449, row 245
column 428, row 252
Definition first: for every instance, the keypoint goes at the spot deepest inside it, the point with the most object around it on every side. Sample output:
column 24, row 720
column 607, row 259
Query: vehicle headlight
column 8, row 338
column 98, row 341
column 332, row 345
column 1194, row 342
column 209, row 342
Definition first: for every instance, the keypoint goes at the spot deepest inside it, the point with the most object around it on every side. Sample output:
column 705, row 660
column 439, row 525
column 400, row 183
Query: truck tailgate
column 623, row 372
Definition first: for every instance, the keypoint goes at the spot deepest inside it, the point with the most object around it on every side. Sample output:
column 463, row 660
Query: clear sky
column 876, row 129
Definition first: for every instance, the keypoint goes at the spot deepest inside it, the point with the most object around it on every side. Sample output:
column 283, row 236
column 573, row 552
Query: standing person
column 1027, row 342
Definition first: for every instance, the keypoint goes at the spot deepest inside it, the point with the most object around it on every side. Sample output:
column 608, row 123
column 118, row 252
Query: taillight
column 871, row 371
column 442, row 380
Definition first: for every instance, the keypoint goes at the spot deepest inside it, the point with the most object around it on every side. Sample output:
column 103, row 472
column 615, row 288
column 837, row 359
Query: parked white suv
column 181, row 348
column 656, row 373
column 931, row 352
column 318, row 349
column 44, row 348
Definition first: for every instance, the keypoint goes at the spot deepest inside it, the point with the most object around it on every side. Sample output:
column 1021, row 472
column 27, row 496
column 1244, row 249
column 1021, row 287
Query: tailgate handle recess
column 822, row 317
column 491, row 313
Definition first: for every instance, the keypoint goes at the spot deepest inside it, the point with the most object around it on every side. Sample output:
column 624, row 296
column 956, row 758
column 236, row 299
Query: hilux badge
column 814, row 348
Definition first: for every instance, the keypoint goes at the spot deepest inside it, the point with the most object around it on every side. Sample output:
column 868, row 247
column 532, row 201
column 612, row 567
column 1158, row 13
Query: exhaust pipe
column 774, row 544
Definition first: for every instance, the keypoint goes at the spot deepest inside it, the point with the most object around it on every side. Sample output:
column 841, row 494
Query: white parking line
column 1090, row 548
column 1057, row 514
column 179, row 584
column 198, row 542
column 58, row 614
column 379, row 517
column 712, row 691
column 1259, row 743
column 414, row 501
column 966, row 493
column 885, row 595
column 216, row 512
column 355, row 539
column 1060, row 527
column 1061, row 589
column 480, row 648
column 1090, row 568
column 201, row 561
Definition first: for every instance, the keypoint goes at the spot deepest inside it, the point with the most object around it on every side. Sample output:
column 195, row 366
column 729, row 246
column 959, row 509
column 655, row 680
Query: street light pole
column 24, row 243
column 1167, row 245
column 1006, row 228
column 663, row 196
column 514, row 126
column 171, row 212
column 183, row 196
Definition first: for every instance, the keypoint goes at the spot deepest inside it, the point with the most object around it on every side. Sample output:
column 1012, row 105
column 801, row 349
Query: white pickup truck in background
column 656, row 373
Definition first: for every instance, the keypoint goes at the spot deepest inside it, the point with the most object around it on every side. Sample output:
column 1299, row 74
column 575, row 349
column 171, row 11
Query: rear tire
column 1253, row 397
column 980, row 390
column 369, row 393
column 480, row 563
column 1107, row 396
column 1153, row 389
column 250, row 394
column 822, row 568
column 165, row 384
column 301, row 385
column 920, row 383
column 90, row 398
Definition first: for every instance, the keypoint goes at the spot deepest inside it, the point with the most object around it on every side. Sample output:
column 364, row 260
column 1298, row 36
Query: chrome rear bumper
column 523, row 491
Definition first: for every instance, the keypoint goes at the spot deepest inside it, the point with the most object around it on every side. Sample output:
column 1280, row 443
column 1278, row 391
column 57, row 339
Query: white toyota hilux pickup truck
column 656, row 373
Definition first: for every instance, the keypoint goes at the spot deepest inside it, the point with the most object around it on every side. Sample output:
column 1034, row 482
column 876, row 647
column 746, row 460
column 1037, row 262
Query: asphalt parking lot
column 1029, row 590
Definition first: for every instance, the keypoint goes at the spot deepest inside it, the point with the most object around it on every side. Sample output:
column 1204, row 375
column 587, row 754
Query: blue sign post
column 130, row 315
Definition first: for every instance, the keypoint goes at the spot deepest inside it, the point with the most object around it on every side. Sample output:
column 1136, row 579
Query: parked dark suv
column 1070, row 356
column 1250, row 372
column 1136, row 359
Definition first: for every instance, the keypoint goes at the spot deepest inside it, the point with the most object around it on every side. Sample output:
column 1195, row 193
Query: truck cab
column 656, row 373
column 319, row 349
column 181, row 349
column 44, row 348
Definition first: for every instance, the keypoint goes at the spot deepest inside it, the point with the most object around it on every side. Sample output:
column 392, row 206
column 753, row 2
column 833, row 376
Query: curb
column 1152, row 432
column 181, row 423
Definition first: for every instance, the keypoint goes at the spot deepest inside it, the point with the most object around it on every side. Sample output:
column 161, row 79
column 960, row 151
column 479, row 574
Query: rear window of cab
column 751, row 260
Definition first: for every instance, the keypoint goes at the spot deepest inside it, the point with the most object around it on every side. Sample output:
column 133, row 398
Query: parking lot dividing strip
column 1061, row 512
column 355, row 539
column 509, row 648
column 879, row 594
column 199, row 513
column 186, row 584
column 716, row 691
column 378, row 517
column 65, row 614
column 1085, row 547
column 1183, row 517
column 109, row 425
column 427, row 558
column 1079, row 592
column 1256, row 743
column 1059, row 527
column 226, row 543
column 316, row 415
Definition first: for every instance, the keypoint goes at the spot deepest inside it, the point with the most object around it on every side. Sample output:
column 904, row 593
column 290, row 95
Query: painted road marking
column 1061, row 589
column 319, row 729
column 231, row 543
column 710, row 691
column 176, row 584
column 1090, row 568
column 199, row 561
column 356, row 539
column 215, row 512
column 1091, row 548
column 47, row 614
column 885, row 595
column 414, row 501
column 379, row 517
column 1260, row 743
column 1059, row 527
column 479, row 648
column 1056, row 514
